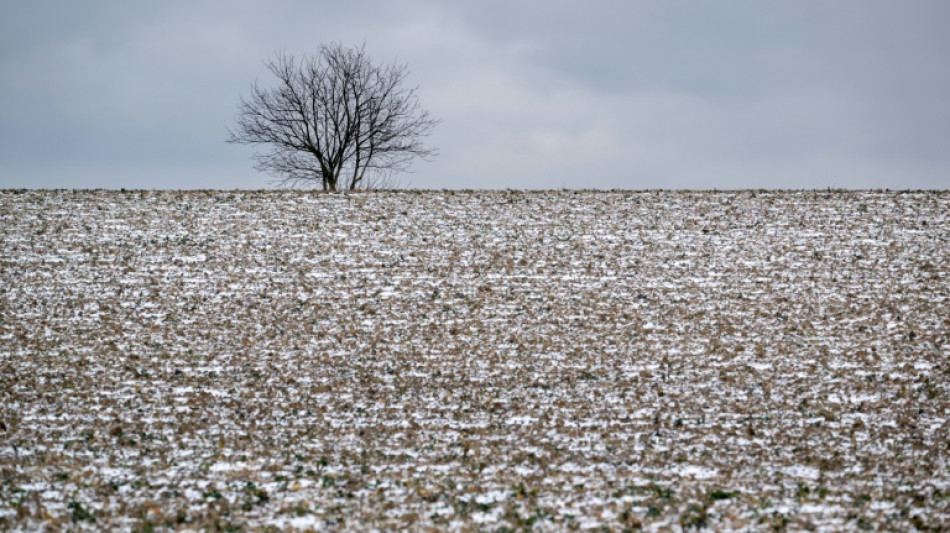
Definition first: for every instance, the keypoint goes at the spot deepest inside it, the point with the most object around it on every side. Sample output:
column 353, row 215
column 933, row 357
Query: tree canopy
column 334, row 119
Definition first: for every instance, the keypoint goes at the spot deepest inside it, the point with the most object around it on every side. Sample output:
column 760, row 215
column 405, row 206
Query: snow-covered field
column 475, row 360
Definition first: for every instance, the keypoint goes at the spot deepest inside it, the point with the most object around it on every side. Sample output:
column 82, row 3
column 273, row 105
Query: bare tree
column 335, row 119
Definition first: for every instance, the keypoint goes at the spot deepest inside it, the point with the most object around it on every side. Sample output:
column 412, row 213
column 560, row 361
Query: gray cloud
column 795, row 94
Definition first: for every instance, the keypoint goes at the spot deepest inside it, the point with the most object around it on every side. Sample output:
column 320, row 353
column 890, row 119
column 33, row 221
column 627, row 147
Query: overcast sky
column 531, row 94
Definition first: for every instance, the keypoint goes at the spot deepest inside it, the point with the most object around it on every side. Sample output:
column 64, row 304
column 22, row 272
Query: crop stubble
column 474, row 360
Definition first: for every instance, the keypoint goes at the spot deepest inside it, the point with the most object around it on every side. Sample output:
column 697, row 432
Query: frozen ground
column 487, row 360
